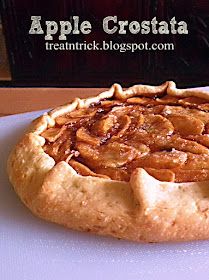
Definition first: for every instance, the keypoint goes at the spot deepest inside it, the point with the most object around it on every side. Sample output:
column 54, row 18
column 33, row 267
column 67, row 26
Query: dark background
column 32, row 65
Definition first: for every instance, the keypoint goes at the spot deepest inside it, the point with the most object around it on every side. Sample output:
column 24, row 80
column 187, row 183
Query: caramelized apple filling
column 167, row 136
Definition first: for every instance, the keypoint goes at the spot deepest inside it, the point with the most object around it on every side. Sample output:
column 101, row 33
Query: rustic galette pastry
column 133, row 164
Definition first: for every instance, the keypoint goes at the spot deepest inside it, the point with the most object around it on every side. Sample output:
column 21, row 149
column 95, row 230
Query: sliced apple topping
column 76, row 116
column 186, row 145
column 62, row 120
column 140, row 147
column 201, row 139
column 156, row 124
column 117, row 174
column 203, row 116
column 191, row 175
column 170, row 100
column 89, row 153
column 110, row 103
column 103, row 126
column 83, row 135
column 165, row 175
column 121, row 110
column 161, row 160
column 154, row 110
column 61, row 148
column 167, row 136
column 186, row 125
column 111, row 155
column 72, row 154
column 117, row 154
column 197, row 162
column 83, row 113
column 153, row 141
column 192, row 101
column 124, row 124
column 141, row 101
column 65, row 149
column 204, row 107
column 84, row 170
column 172, row 110
column 52, row 134
column 139, row 121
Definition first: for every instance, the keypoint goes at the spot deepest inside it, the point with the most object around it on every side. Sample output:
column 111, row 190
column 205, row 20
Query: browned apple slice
column 197, row 162
column 136, row 122
column 201, row 139
column 156, row 110
column 83, row 135
column 83, row 113
column 65, row 149
column 124, row 124
column 117, row 154
column 62, row 120
column 61, row 148
column 152, row 141
column 84, row 170
column 191, row 175
column 156, row 124
column 76, row 115
column 117, row 174
column 141, row 148
column 161, row 160
column 141, row 101
column 110, row 103
column 162, row 174
column 52, row 134
column 72, row 154
column 204, row 107
column 89, row 153
column 111, row 155
column 139, row 121
column 103, row 126
column 121, row 110
column 186, row 125
column 192, row 101
column 203, row 116
column 174, row 110
column 186, row 145
column 170, row 100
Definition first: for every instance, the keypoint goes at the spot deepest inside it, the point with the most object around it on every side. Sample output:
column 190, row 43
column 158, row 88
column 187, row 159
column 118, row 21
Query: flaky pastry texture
column 143, row 209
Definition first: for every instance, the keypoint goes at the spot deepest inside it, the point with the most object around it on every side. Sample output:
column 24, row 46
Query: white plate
column 33, row 249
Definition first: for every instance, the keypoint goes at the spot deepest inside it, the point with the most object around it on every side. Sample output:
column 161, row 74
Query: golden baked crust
column 143, row 209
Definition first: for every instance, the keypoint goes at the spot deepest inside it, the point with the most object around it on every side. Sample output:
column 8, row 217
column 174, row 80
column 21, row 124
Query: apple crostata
column 132, row 163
